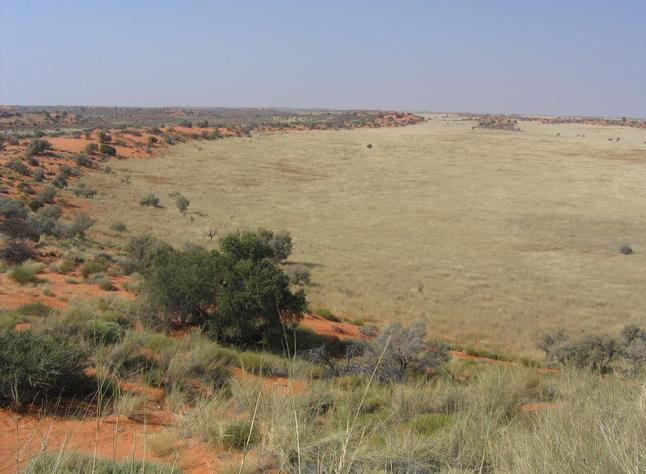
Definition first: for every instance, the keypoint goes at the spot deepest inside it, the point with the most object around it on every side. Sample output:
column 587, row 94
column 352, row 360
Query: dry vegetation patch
column 497, row 237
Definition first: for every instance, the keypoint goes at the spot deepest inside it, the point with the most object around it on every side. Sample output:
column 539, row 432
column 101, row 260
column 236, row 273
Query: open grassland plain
column 494, row 236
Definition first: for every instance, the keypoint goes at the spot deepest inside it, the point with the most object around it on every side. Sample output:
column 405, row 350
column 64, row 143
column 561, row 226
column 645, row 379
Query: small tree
column 182, row 284
column 107, row 150
column 254, row 299
column 182, row 203
column 36, row 146
column 91, row 148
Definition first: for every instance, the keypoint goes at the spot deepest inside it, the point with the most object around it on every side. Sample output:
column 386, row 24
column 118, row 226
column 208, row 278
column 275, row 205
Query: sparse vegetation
column 36, row 146
column 149, row 200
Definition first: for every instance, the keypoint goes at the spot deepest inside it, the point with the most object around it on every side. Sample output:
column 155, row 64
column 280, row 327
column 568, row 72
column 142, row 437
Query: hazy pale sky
column 544, row 57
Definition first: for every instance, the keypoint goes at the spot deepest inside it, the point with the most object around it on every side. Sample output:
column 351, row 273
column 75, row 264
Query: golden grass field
column 494, row 236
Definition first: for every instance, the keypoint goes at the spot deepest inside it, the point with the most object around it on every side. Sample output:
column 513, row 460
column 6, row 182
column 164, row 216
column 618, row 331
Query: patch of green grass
column 327, row 314
column 67, row 265
column 25, row 273
column 8, row 320
column 35, row 309
column 237, row 433
column 94, row 266
column 429, row 423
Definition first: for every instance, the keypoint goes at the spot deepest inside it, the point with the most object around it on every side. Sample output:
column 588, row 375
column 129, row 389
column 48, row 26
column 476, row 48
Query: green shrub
column 19, row 167
column 97, row 265
column 404, row 351
column 254, row 297
column 327, row 314
column 37, row 145
column 82, row 160
column 104, row 332
column 19, row 228
column 8, row 320
column 143, row 250
column 91, row 148
column 38, row 174
column 103, row 137
column 38, row 366
column 25, row 273
column 47, row 194
column 67, row 265
column 149, row 200
column 10, row 208
column 83, row 191
column 17, row 251
column 594, row 352
column 107, row 150
column 182, row 284
column 119, row 227
column 237, row 433
column 298, row 274
column 182, row 203
column 35, row 309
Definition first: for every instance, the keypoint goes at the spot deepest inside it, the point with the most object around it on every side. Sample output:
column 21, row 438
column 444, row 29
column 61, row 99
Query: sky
column 536, row 57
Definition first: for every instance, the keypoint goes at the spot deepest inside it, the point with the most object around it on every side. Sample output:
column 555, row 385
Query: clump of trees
column 238, row 293
column 392, row 356
column 598, row 352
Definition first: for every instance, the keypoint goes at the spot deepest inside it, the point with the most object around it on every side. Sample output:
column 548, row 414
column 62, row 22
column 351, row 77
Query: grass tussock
column 70, row 463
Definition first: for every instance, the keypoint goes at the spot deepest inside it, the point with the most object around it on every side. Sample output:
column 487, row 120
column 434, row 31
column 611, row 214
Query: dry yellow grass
column 494, row 236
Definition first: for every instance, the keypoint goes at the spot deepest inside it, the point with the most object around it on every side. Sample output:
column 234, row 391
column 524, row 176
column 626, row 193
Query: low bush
column 429, row 423
column 19, row 167
column 11, row 208
column 47, row 195
column 37, row 145
column 38, row 174
column 83, row 191
column 82, row 160
column 400, row 351
column 25, row 272
column 149, row 200
column 20, row 228
column 626, row 249
column 97, row 265
column 298, row 274
column 91, row 148
column 17, row 251
column 35, row 367
column 327, row 314
column 239, row 435
column 143, row 250
column 107, row 150
column 103, row 136
column 119, row 227
column 35, row 309
column 182, row 203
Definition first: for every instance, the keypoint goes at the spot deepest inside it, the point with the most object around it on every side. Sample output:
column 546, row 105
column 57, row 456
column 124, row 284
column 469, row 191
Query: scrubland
column 440, row 298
